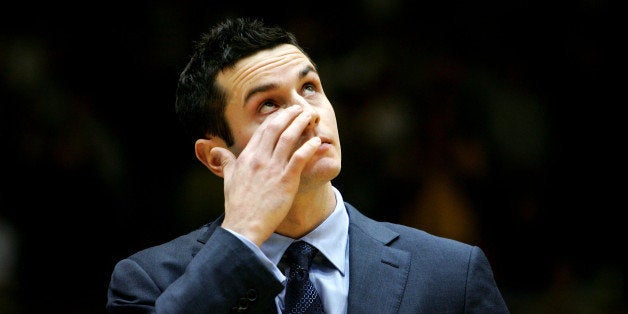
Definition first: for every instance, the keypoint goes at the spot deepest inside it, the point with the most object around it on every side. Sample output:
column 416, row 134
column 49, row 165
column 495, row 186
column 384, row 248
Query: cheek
column 241, row 139
column 243, row 135
column 329, row 120
column 239, row 130
column 329, row 113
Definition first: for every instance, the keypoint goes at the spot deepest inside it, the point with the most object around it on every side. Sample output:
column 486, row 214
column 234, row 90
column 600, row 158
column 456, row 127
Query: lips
column 305, row 138
column 326, row 143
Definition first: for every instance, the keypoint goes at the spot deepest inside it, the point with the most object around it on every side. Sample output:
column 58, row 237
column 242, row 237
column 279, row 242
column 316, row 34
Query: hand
column 261, row 183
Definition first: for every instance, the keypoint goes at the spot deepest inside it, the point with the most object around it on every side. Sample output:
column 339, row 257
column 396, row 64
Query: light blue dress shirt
column 330, row 269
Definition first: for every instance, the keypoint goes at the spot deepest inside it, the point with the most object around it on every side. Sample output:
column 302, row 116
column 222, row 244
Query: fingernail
column 316, row 140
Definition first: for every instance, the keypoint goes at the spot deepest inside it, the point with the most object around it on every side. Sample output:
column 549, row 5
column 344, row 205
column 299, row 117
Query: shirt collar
column 330, row 238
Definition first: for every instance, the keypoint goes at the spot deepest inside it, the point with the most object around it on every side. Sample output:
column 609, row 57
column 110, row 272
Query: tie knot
column 300, row 254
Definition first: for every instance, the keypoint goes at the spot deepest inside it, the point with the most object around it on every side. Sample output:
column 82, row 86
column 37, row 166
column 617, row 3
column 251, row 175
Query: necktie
column 301, row 296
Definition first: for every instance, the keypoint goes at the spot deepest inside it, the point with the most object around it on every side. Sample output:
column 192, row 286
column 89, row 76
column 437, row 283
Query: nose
column 308, row 108
column 315, row 118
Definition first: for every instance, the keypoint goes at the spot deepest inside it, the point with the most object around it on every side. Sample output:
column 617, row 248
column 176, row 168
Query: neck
column 309, row 209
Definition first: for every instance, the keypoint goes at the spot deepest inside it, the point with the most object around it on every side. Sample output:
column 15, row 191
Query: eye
column 267, row 107
column 309, row 89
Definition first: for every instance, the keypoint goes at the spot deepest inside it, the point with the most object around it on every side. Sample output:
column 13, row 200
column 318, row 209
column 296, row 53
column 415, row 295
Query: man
column 255, row 103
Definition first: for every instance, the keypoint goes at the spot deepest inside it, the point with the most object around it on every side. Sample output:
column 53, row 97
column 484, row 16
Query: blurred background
column 490, row 122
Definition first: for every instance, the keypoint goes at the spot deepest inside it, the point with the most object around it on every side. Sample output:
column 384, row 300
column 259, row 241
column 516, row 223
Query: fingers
column 266, row 136
column 290, row 137
column 278, row 139
column 302, row 155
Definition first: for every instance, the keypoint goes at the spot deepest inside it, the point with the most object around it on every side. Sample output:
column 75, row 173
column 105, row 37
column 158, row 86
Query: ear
column 203, row 146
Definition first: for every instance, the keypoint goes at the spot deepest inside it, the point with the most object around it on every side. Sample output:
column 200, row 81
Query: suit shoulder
column 398, row 235
column 413, row 236
column 181, row 245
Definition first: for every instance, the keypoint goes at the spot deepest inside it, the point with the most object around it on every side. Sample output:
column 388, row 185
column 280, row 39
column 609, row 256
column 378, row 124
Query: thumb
column 221, row 161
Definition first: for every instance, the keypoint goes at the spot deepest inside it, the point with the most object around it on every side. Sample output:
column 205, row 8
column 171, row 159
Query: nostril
column 314, row 120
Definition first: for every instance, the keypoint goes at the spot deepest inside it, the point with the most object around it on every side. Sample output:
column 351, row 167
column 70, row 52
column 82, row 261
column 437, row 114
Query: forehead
column 265, row 65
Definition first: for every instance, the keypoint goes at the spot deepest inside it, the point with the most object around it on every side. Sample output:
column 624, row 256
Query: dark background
column 491, row 122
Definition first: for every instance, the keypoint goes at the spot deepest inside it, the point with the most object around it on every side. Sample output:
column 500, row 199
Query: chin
column 322, row 170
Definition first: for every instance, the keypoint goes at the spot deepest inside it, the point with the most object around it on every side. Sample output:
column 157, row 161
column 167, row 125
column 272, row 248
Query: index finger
column 267, row 134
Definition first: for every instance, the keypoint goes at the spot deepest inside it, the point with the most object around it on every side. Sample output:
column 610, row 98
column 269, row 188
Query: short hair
column 200, row 103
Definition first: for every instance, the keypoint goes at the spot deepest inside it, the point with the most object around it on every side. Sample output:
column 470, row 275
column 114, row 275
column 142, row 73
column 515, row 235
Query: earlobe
column 203, row 147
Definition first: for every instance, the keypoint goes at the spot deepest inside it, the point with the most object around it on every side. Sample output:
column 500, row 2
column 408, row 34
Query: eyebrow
column 262, row 88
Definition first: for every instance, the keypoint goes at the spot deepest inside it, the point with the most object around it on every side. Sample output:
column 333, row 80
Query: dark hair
column 200, row 102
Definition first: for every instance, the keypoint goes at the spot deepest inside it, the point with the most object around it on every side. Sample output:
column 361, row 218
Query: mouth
column 326, row 143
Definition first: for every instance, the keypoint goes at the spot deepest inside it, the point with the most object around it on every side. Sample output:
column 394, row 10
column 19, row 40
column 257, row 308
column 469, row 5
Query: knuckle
column 287, row 138
column 275, row 125
column 299, row 156
column 255, row 162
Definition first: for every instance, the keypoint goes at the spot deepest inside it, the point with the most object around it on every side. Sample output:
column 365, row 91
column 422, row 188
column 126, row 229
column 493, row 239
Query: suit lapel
column 378, row 272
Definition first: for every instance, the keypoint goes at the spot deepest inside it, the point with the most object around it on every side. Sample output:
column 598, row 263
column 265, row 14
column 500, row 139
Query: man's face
column 272, row 80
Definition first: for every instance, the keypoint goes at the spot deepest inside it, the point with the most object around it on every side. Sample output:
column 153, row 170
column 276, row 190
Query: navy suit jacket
column 393, row 269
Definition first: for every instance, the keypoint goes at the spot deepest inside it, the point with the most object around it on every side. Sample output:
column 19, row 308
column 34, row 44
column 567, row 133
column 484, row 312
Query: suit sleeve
column 482, row 294
column 225, row 276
